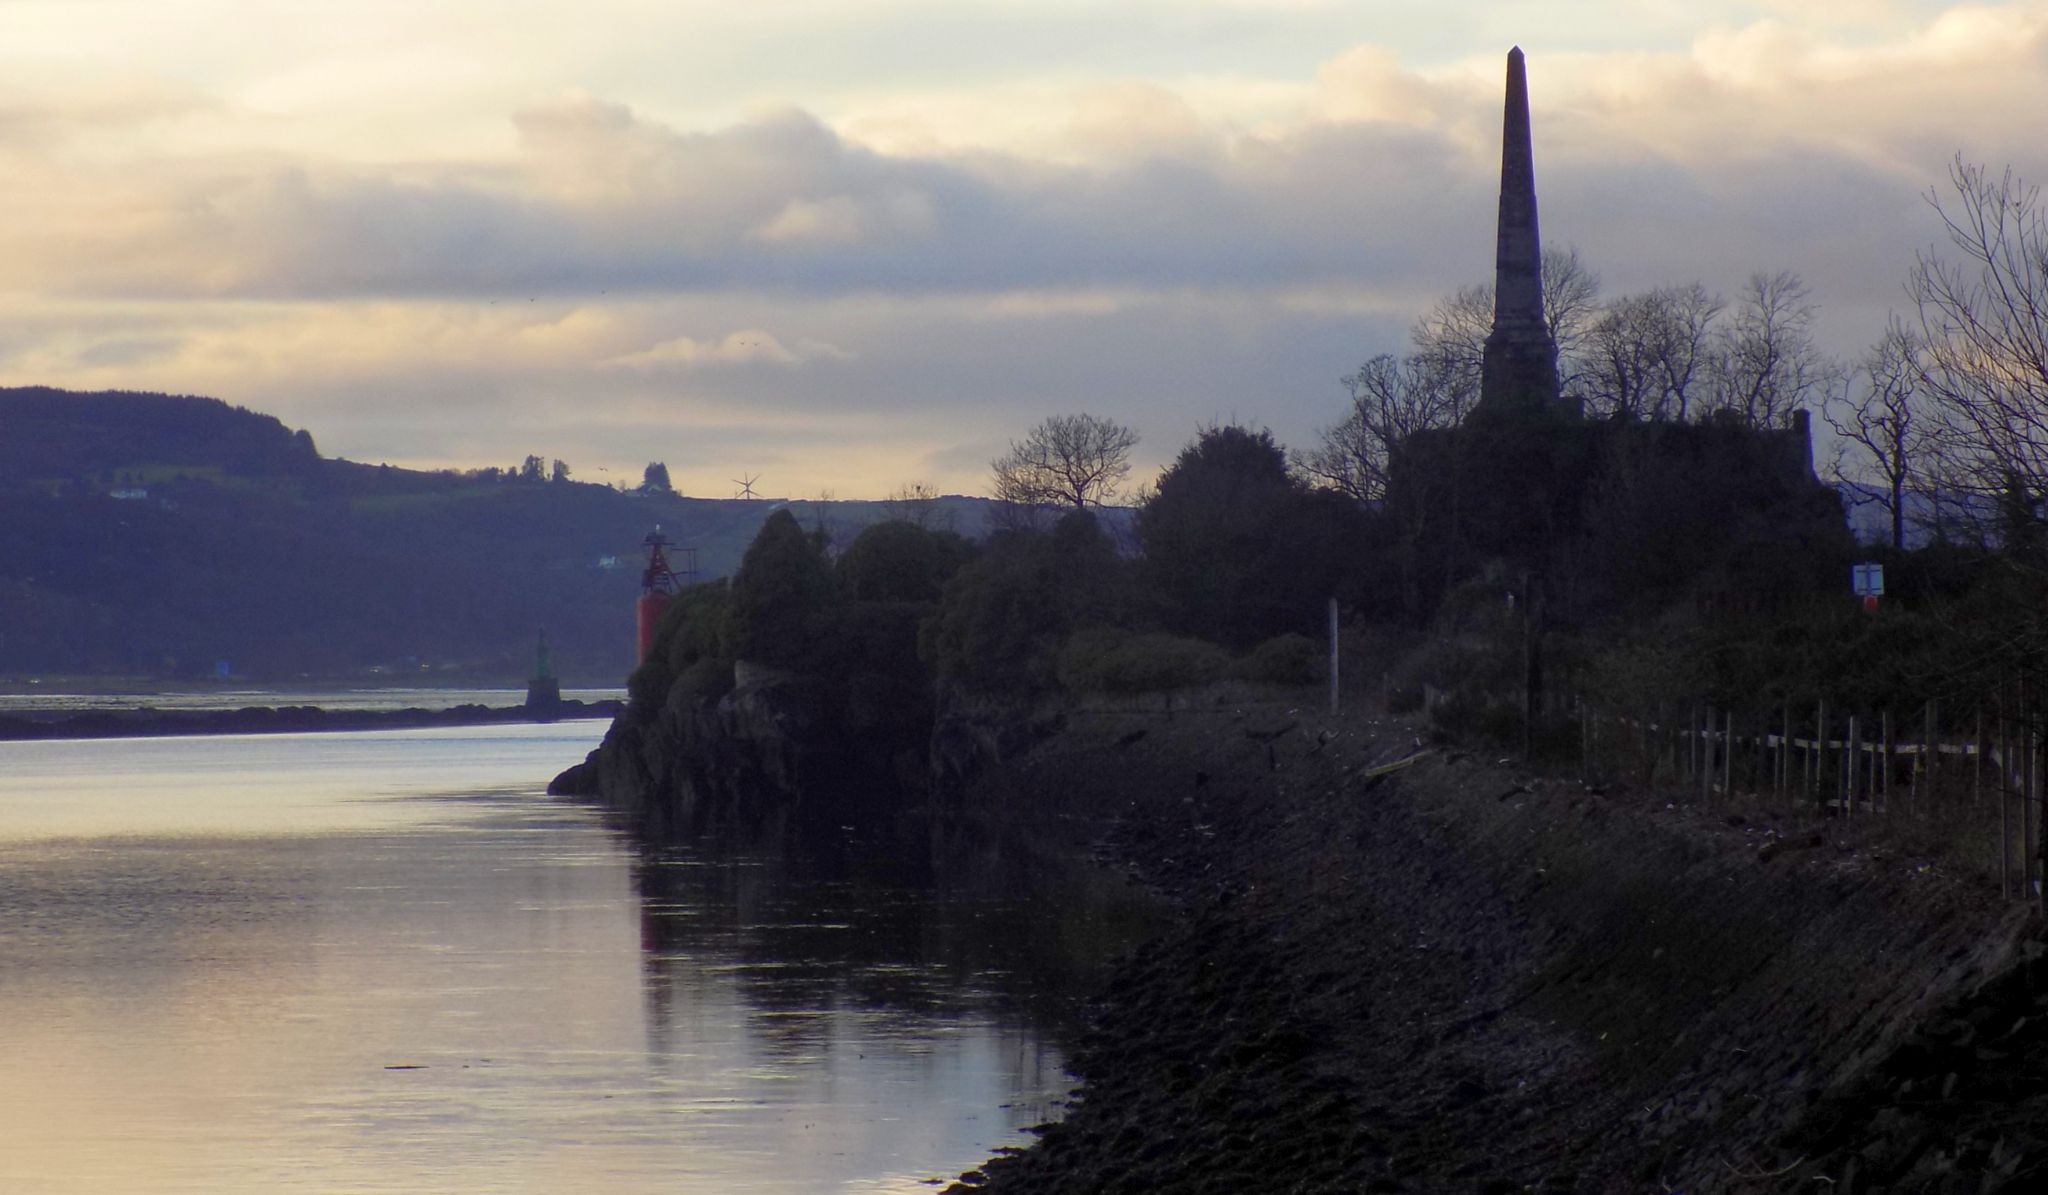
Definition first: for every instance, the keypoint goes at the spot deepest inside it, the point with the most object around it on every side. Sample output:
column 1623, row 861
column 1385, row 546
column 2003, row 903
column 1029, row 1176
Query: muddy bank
column 1461, row 977
column 143, row 721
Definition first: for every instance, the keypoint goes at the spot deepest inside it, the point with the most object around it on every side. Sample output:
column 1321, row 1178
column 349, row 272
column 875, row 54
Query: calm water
column 214, row 698
column 385, row 962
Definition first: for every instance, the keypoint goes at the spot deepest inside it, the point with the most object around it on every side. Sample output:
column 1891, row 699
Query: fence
column 1843, row 763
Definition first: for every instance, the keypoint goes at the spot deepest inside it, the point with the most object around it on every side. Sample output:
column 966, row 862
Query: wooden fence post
column 1693, row 743
column 1819, row 754
column 2024, row 751
column 1977, row 759
column 1931, row 733
column 1728, row 754
column 2029, row 827
column 1886, row 763
column 1707, row 757
column 2004, row 804
column 1646, row 748
column 1784, row 755
column 1850, row 760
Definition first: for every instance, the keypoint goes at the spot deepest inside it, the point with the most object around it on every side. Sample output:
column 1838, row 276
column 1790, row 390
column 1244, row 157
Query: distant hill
column 52, row 434
column 158, row 535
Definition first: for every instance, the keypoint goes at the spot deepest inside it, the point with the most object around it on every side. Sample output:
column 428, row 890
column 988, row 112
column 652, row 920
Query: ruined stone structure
column 1520, row 368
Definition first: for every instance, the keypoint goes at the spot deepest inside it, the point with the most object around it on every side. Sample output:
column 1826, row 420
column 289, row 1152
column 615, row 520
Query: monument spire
column 1520, row 365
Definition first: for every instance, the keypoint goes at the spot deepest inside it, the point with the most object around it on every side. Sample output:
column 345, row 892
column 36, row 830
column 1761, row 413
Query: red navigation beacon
column 657, row 585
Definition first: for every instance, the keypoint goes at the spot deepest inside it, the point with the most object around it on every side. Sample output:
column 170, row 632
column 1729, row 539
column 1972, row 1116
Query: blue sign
column 1867, row 579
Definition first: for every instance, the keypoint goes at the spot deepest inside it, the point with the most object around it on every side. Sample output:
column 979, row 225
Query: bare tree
column 1454, row 330
column 1765, row 362
column 1571, row 302
column 1067, row 460
column 1880, row 427
column 1438, row 381
column 916, row 504
column 1642, row 354
column 1984, row 338
column 1391, row 399
column 1452, row 334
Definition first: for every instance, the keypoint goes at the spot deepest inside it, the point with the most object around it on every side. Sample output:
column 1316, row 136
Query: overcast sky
column 848, row 245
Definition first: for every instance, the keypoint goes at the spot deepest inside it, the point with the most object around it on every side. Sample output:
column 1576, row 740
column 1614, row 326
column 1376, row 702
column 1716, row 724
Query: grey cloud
column 756, row 216
column 133, row 350
column 605, row 201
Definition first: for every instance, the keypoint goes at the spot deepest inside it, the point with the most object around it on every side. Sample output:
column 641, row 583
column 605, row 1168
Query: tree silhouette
column 1067, row 460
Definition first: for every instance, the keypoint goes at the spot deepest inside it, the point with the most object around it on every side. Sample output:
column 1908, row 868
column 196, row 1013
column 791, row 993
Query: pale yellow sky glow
column 851, row 244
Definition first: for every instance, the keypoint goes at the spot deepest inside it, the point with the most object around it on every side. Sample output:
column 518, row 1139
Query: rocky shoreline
column 1402, row 966
column 144, row 721
column 1457, row 976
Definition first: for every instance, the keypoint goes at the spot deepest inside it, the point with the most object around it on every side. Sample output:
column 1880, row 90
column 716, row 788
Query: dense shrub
column 1285, row 660
column 900, row 562
column 1111, row 661
column 872, row 638
column 1236, row 549
column 1002, row 617
column 782, row 586
column 704, row 680
column 691, row 638
column 694, row 626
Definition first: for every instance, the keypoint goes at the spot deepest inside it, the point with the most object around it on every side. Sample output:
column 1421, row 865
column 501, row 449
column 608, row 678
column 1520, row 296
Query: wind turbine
column 746, row 483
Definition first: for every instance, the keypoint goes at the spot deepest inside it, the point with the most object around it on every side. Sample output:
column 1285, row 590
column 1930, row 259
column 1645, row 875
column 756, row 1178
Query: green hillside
column 154, row 535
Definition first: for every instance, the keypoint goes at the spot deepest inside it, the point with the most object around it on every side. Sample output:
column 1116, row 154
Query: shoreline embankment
column 1455, row 974
column 147, row 722
column 1402, row 965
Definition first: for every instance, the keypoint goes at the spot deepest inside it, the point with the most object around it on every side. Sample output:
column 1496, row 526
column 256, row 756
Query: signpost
column 1867, row 581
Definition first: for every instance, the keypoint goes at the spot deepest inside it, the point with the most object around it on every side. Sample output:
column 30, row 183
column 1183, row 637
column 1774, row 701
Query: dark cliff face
column 779, row 751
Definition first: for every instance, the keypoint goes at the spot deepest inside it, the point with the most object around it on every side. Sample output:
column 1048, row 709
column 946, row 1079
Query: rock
column 576, row 780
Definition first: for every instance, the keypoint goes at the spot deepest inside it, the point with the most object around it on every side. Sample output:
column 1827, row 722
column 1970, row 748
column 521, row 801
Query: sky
column 846, row 246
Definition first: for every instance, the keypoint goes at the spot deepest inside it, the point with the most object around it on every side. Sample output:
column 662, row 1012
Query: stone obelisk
column 1520, row 365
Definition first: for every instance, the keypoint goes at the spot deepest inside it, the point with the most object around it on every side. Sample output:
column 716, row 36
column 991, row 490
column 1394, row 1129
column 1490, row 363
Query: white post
column 1333, row 657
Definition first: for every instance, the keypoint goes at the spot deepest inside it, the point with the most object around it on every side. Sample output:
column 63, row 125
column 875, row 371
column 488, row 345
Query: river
column 386, row 962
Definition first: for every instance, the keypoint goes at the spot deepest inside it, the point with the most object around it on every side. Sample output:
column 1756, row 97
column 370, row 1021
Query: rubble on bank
column 1457, row 975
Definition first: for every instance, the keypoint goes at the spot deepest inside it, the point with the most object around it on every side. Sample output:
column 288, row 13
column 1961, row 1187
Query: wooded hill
column 157, row 535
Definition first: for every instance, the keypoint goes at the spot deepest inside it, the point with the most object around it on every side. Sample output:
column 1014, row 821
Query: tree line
column 1234, row 550
column 1943, row 418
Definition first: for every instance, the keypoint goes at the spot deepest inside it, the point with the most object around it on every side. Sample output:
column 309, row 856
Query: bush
column 1237, row 549
column 704, row 680
column 1003, row 616
column 1108, row 661
column 782, row 586
column 901, row 562
column 1284, row 660
column 647, row 688
column 694, row 626
column 869, row 638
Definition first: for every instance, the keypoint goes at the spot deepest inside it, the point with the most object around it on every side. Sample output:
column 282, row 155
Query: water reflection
column 870, row 977
column 334, row 963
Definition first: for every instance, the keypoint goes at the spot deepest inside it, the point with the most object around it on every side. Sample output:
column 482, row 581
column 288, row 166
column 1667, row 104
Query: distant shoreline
column 148, row 722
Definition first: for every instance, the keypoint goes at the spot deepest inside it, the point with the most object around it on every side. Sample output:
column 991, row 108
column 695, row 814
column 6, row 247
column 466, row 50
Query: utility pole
column 1532, row 658
column 1333, row 657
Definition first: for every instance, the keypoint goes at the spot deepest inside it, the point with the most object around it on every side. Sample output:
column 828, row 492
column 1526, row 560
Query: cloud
column 735, row 348
column 895, row 284
column 1380, row 171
